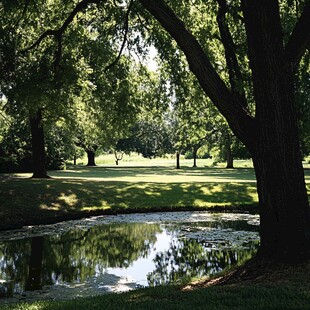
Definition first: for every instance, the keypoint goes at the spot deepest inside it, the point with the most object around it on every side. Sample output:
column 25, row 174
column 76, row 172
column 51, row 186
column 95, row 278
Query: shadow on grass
column 31, row 201
column 137, row 171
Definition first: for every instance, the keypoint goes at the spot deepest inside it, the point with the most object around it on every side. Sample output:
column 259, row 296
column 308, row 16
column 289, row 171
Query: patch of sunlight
column 152, row 193
column 103, row 206
column 22, row 175
column 214, row 189
column 54, row 206
column 35, row 306
column 202, row 203
column 70, row 200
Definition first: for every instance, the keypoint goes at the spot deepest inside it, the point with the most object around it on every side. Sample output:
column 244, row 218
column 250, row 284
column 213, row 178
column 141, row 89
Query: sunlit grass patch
column 103, row 190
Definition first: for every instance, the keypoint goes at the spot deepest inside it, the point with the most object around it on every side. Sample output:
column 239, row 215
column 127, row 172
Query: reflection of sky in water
column 95, row 259
column 139, row 269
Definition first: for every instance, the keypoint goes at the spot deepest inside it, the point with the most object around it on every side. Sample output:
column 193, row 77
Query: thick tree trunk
column 178, row 160
column 38, row 146
column 90, row 158
column 229, row 157
column 283, row 201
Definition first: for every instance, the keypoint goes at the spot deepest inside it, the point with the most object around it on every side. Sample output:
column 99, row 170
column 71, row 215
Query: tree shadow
column 30, row 201
column 245, row 174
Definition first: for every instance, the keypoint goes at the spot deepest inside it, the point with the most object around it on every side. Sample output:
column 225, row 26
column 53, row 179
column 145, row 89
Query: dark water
column 122, row 256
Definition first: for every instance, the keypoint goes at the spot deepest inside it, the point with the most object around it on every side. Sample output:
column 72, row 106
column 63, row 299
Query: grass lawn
column 81, row 191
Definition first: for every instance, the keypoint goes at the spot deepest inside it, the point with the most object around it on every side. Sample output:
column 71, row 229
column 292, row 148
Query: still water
column 119, row 253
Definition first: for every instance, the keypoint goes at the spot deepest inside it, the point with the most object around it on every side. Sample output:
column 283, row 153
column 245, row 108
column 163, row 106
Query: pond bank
column 31, row 219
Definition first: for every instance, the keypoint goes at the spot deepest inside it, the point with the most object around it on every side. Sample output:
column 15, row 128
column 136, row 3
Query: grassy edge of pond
column 279, row 289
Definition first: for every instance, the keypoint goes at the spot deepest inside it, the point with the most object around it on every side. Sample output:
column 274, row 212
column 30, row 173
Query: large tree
column 271, row 133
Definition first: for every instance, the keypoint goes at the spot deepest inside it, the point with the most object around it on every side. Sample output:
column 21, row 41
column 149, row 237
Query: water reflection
column 151, row 254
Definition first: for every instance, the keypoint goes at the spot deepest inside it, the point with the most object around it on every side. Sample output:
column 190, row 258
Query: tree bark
column 178, row 160
column 90, row 158
column 38, row 146
column 195, row 149
column 229, row 157
column 284, row 207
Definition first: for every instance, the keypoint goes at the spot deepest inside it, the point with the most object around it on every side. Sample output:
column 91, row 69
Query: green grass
column 172, row 297
column 81, row 191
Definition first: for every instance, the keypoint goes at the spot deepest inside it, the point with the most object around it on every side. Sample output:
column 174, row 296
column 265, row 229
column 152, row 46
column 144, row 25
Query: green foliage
column 151, row 139
column 15, row 147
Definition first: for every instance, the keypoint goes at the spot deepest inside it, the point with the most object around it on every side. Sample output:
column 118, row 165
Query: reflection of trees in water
column 187, row 258
column 14, row 261
column 34, row 279
column 74, row 255
column 223, row 224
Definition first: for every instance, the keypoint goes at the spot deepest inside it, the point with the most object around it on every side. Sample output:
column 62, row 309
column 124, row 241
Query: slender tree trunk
column 74, row 159
column 118, row 157
column 38, row 146
column 34, row 280
column 178, row 160
column 90, row 158
column 229, row 157
column 195, row 149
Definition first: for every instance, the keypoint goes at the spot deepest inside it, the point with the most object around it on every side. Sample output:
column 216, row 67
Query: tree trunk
column 74, row 159
column 284, row 209
column 38, row 146
column 90, row 158
column 178, row 160
column 283, row 201
column 195, row 149
column 229, row 157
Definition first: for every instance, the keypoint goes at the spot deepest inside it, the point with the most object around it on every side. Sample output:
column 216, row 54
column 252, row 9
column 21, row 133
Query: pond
column 120, row 253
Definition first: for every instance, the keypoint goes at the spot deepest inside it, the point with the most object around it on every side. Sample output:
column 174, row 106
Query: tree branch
column 299, row 40
column 125, row 30
column 238, row 117
column 235, row 76
column 23, row 13
column 57, row 33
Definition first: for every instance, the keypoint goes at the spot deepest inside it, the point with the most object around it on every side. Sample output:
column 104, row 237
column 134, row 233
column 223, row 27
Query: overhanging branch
column 235, row 76
column 125, row 30
column 23, row 13
column 238, row 117
column 299, row 40
column 57, row 33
